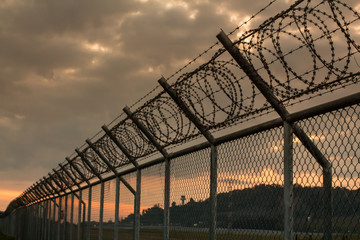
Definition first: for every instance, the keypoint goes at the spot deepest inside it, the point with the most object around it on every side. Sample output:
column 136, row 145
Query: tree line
column 262, row 207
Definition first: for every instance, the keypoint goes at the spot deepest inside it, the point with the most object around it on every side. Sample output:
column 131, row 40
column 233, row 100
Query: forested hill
column 261, row 207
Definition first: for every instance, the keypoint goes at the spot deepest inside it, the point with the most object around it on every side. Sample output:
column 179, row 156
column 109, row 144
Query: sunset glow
column 6, row 196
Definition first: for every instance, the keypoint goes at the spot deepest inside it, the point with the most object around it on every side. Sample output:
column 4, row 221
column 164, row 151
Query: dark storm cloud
column 170, row 34
column 61, row 17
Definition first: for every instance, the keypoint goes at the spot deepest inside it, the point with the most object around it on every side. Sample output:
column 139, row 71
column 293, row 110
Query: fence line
column 291, row 177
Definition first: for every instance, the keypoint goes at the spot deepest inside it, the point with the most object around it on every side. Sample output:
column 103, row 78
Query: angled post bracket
column 120, row 146
column 87, row 162
column 284, row 114
column 57, row 183
column 69, row 175
column 163, row 152
column 213, row 164
column 111, row 167
column 62, row 179
column 77, row 170
column 51, row 186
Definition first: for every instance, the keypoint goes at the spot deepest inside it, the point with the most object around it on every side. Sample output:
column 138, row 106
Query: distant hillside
column 262, row 207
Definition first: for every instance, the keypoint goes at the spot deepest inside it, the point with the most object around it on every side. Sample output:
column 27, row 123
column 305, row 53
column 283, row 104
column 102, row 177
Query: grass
column 157, row 234
column 4, row 237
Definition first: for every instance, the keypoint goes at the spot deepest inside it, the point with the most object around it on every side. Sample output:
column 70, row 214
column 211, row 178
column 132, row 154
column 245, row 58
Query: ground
column 4, row 237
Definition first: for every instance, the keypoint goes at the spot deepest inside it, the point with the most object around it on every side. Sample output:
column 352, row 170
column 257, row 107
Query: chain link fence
column 250, row 192
column 217, row 154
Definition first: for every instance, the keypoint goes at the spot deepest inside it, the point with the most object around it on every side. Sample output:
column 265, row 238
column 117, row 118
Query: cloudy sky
column 68, row 67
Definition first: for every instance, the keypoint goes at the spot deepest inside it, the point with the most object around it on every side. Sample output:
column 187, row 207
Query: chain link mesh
column 189, row 193
column 152, row 201
column 126, row 209
column 250, row 187
column 95, row 211
column 109, row 209
column 337, row 136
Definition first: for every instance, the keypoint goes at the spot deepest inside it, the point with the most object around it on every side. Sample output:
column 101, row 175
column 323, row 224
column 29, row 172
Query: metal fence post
column 69, row 187
column 22, row 219
column 83, row 221
column 138, row 179
column 25, row 217
column 34, row 219
column 213, row 154
column 8, row 219
column 328, row 203
column 118, row 178
column 288, row 182
column 213, row 192
column 88, row 225
column 51, row 222
column 40, row 208
column 88, row 182
column 79, row 216
column 71, row 216
column 101, row 217
column 37, row 228
column 117, row 201
column 14, row 222
column 137, row 205
column 167, row 199
column 97, row 174
column 44, row 220
column 47, row 224
column 59, row 219
column 150, row 137
column 46, row 229
column 284, row 114
column 163, row 152
column 41, row 220
column 64, row 235
column 60, row 198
